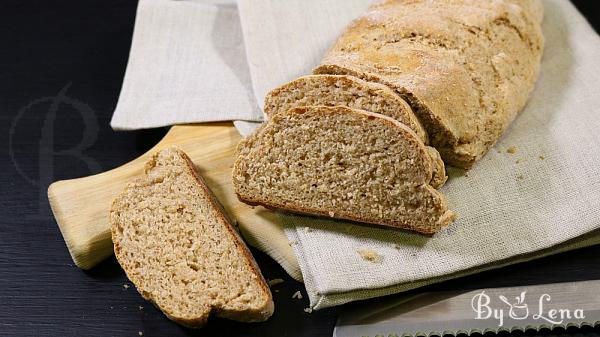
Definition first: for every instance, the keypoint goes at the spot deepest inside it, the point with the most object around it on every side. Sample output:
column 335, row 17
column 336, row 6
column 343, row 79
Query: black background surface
column 61, row 67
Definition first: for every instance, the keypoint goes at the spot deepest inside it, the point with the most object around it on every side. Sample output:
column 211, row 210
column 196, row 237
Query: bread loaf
column 349, row 91
column 343, row 163
column 179, row 250
column 467, row 67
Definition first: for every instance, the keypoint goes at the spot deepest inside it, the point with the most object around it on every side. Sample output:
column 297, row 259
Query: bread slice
column 343, row 163
column 466, row 67
column 349, row 91
column 177, row 247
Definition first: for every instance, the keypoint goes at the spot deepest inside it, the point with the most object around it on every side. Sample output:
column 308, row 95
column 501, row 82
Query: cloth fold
column 512, row 207
column 187, row 64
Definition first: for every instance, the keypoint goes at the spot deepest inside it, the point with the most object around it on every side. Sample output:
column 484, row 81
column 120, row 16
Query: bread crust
column 259, row 315
column 467, row 67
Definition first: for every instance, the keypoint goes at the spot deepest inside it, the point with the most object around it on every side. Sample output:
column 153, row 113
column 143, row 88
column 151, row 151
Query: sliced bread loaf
column 350, row 91
column 465, row 67
column 344, row 163
column 177, row 247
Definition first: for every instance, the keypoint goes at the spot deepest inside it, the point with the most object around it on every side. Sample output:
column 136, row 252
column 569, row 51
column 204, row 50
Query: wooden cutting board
column 81, row 205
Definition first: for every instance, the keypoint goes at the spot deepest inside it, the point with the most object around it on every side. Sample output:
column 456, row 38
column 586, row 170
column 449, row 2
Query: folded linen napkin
column 187, row 64
column 541, row 200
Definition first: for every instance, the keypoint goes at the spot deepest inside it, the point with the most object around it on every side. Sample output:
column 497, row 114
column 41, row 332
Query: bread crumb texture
column 275, row 282
column 346, row 163
column 297, row 295
column 341, row 90
column 179, row 250
column 370, row 255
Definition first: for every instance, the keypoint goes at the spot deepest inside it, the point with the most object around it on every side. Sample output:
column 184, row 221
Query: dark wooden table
column 61, row 66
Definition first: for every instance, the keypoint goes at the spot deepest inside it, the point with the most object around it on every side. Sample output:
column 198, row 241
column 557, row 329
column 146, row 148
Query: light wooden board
column 81, row 205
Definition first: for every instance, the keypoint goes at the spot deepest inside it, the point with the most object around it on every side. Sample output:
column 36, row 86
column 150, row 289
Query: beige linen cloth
column 198, row 61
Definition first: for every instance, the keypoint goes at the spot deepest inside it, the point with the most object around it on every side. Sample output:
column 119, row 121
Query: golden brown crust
column 244, row 316
column 466, row 67
column 439, row 171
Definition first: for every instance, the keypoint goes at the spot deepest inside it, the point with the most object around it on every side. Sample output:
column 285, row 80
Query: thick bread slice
column 466, row 67
column 177, row 247
column 343, row 163
column 350, row 91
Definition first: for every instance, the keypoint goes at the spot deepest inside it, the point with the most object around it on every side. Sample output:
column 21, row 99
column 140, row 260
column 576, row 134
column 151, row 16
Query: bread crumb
column 276, row 290
column 141, row 307
column 511, row 150
column 308, row 229
column 297, row 295
column 125, row 286
column 308, row 310
column 369, row 255
column 274, row 282
column 542, row 157
column 331, row 214
column 140, row 333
